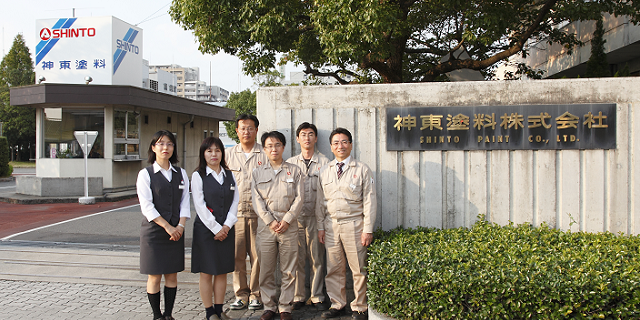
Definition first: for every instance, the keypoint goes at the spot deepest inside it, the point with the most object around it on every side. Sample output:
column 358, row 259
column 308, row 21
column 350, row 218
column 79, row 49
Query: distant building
column 622, row 48
column 159, row 80
column 299, row 77
column 183, row 75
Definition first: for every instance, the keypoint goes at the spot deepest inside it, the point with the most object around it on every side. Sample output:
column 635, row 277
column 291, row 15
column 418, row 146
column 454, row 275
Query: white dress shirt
column 201, row 207
column 346, row 164
column 145, row 196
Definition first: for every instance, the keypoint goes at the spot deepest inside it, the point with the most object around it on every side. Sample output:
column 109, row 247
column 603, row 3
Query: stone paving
column 55, row 300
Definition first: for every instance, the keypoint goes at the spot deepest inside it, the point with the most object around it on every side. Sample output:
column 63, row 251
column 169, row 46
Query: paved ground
column 86, row 267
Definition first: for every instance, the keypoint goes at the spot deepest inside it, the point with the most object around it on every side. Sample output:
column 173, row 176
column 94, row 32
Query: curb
column 8, row 179
column 48, row 200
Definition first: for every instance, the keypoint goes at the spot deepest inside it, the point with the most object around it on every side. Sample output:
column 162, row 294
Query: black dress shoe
column 298, row 305
column 332, row 313
column 320, row 306
column 359, row 315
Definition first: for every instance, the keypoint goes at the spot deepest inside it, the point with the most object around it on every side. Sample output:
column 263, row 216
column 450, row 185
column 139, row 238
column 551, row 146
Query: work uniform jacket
column 351, row 197
column 278, row 196
column 242, row 168
column 311, row 173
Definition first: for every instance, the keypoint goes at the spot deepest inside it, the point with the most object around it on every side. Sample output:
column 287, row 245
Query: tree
column 243, row 102
column 597, row 65
column 386, row 41
column 16, row 70
column 5, row 167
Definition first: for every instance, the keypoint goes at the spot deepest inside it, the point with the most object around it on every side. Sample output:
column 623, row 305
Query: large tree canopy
column 384, row 40
column 19, row 123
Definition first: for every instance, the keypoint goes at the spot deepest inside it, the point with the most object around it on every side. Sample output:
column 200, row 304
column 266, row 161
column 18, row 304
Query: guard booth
column 126, row 117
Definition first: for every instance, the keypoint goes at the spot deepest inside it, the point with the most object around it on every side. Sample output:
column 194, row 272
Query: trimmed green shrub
column 504, row 272
column 5, row 168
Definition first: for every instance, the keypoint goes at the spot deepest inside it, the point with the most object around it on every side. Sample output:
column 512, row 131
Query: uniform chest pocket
column 262, row 185
column 313, row 180
column 354, row 189
column 289, row 185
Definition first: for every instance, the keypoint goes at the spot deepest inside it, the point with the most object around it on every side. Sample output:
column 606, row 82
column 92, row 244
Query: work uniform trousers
column 309, row 246
column 342, row 240
column 271, row 246
column 246, row 231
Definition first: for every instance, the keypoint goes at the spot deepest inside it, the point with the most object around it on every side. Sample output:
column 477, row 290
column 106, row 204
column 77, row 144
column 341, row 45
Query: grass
column 23, row 164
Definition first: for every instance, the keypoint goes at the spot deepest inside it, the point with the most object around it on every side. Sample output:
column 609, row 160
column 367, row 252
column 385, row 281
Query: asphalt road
column 111, row 227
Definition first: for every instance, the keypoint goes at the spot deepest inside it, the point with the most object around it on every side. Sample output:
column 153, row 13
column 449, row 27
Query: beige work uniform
column 346, row 208
column 308, row 243
column 277, row 196
column 247, row 225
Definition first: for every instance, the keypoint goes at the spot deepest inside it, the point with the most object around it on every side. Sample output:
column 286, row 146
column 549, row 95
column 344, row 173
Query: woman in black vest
column 216, row 202
column 163, row 192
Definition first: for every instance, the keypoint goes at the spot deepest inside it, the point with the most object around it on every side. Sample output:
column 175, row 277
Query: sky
column 164, row 41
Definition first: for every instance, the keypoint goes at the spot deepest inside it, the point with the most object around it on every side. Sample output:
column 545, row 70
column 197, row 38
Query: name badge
column 232, row 188
column 181, row 187
column 352, row 186
column 289, row 180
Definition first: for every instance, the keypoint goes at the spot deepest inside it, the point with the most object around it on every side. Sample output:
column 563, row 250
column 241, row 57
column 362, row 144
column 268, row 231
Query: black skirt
column 158, row 254
column 212, row 256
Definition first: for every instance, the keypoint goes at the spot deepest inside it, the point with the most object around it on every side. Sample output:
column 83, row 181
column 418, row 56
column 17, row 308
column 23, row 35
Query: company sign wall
column 106, row 49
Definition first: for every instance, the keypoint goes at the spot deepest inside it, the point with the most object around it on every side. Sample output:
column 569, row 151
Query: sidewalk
column 64, row 281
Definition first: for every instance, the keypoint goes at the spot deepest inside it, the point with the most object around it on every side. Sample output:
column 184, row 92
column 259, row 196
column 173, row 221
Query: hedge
column 504, row 272
column 5, row 167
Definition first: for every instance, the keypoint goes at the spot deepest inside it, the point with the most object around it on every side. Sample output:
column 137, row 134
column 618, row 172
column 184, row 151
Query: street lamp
column 87, row 79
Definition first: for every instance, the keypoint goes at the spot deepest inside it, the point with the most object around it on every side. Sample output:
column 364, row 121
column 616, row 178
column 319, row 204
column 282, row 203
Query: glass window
column 59, row 125
column 126, row 135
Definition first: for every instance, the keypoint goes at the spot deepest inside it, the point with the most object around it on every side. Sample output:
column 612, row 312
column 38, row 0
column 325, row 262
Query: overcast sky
column 164, row 41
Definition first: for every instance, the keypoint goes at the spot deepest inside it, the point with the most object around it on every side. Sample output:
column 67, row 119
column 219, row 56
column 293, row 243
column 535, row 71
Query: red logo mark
column 288, row 173
column 45, row 34
column 259, row 163
column 354, row 176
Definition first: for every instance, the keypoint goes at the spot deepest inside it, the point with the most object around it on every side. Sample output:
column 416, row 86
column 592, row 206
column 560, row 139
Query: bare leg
column 219, row 287
column 153, row 283
column 206, row 289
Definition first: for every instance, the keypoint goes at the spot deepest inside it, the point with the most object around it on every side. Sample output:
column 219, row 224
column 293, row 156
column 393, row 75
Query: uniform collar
column 210, row 171
column 257, row 148
column 156, row 167
column 314, row 157
column 345, row 161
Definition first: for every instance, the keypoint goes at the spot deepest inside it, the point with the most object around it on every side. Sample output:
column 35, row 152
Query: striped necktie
column 340, row 165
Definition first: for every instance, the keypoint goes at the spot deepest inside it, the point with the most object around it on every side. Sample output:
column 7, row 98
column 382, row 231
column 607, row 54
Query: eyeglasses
column 249, row 129
column 162, row 144
column 343, row 142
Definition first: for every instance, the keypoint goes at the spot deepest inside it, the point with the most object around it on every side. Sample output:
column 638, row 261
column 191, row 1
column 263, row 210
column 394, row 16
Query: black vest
column 167, row 195
column 218, row 197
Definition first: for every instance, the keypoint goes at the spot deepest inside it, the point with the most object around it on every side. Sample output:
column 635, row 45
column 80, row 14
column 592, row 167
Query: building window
column 59, row 125
column 126, row 131
column 153, row 85
column 165, row 87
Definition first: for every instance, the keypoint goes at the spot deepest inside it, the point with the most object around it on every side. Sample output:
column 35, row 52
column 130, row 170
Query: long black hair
column 157, row 137
column 206, row 144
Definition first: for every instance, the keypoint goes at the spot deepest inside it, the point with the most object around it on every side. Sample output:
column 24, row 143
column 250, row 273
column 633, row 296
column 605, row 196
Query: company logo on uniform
column 60, row 30
column 125, row 45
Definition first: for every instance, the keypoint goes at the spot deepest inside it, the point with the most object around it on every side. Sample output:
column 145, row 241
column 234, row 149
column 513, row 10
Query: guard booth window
column 126, row 130
column 59, row 125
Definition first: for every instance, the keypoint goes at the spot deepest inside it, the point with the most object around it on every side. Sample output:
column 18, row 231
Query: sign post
column 86, row 139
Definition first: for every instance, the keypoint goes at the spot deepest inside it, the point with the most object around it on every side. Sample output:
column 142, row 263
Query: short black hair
column 273, row 135
column 340, row 131
column 157, row 137
column 246, row 116
column 306, row 125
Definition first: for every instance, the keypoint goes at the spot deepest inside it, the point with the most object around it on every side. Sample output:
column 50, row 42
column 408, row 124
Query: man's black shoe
column 359, row 315
column 298, row 305
column 332, row 313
